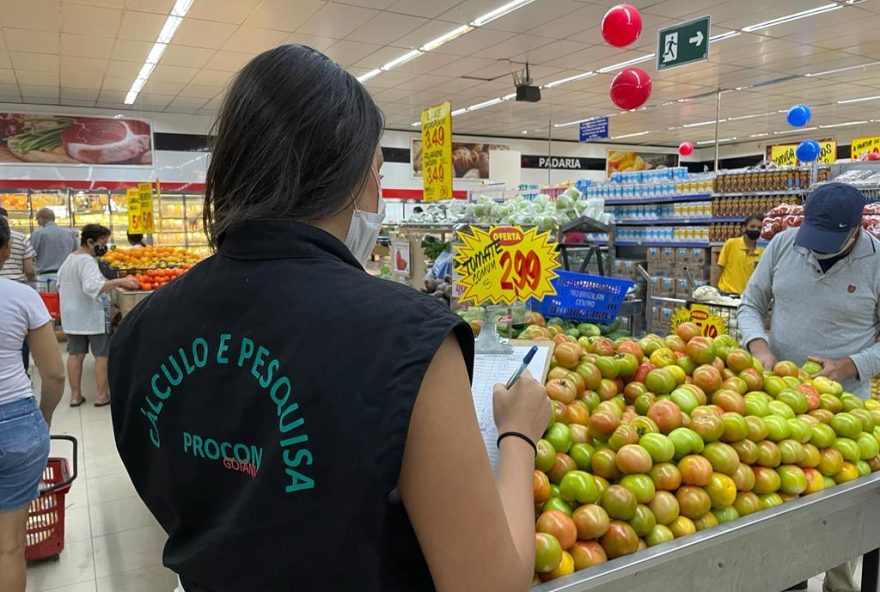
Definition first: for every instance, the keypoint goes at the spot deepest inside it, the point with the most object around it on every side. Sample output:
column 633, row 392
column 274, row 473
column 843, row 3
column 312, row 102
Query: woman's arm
column 44, row 348
column 476, row 533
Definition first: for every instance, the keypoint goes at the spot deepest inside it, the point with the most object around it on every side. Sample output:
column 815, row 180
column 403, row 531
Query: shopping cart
column 45, row 524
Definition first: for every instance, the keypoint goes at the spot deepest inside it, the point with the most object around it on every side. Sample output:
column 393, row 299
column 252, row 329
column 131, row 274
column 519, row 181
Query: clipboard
column 492, row 369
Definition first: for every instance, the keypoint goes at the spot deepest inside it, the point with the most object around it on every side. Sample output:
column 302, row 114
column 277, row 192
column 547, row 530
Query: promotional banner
column 437, row 152
column 785, row 154
column 469, row 160
column 710, row 324
column 624, row 161
column 865, row 148
column 37, row 138
column 505, row 264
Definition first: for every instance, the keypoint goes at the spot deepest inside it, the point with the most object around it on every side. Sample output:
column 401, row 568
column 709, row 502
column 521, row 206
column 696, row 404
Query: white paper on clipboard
column 491, row 369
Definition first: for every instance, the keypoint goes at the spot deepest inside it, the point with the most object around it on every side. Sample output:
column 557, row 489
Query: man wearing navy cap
column 823, row 280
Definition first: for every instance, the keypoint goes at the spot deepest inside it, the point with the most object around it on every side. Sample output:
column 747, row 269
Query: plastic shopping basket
column 45, row 524
column 584, row 297
column 52, row 301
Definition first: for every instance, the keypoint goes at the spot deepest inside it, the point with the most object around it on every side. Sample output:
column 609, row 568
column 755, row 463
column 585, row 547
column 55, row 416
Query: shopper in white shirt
column 85, row 311
column 24, row 432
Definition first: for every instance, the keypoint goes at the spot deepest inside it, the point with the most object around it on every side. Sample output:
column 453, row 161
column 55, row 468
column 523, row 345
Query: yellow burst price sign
column 710, row 324
column 505, row 264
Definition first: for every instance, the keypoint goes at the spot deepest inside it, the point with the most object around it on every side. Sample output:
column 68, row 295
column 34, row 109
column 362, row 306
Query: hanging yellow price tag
column 145, row 196
column 437, row 152
column 135, row 220
column 505, row 264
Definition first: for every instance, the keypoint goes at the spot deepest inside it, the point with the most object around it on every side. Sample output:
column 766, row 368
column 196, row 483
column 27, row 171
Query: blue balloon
column 799, row 116
column 808, row 151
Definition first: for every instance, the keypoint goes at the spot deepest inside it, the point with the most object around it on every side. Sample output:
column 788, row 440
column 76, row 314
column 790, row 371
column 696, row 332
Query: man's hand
column 761, row 350
column 838, row 370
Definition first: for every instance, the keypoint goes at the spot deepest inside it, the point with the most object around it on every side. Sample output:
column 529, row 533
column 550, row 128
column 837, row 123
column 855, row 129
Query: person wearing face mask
column 277, row 403
column 823, row 280
column 85, row 305
column 739, row 256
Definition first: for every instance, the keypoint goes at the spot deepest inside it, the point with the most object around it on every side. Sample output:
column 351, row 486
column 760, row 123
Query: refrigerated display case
column 119, row 217
column 57, row 200
column 16, row 205
column 170, row 230
column 90, row 207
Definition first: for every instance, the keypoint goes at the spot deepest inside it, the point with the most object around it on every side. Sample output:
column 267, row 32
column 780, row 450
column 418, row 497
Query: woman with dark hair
column 292, row 408
column 85, row 311
column 24, row 432
column 739, row 256
column 136, row 240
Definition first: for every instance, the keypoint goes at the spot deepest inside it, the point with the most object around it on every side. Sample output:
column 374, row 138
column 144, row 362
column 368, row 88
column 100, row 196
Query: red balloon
column 621, row 25
column 685, row 149
column 630, row 88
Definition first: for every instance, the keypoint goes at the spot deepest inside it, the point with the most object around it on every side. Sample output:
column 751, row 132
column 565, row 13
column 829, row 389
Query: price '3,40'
column 435, row 137
column 525, row 268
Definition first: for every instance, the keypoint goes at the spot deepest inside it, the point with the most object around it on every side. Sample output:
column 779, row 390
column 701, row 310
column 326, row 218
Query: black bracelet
column 517, row 435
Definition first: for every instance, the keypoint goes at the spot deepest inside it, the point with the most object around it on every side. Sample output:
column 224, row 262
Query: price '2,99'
column 520, row 270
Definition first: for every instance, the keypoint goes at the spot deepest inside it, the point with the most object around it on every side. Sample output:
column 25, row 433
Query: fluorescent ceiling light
column 631, row 62
column 859, row 100
column 710, row 122
column 398, row 61
column 630, row 135
column 761, row 135
column 793, row 17
column 416, row 124
column 838, row 70
column 556, row 83
column 446, row 38
column 704, row 142
column 795, row 131
column 842, row 124
column 502, row 10
column 458, row 112
column 508, row 97
column 370, row 74
column 172, row 22
column 723, row 36
column 488, row 103
column 741, row 117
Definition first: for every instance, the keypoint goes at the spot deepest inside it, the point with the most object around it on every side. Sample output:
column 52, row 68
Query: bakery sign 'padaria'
column 566, row 163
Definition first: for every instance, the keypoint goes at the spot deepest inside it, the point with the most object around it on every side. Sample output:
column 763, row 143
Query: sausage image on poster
column 469, row 161
column 67, row 139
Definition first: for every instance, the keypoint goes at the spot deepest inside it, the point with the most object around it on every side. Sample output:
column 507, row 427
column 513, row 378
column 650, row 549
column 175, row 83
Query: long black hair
column 5, row 232
column 294, row 138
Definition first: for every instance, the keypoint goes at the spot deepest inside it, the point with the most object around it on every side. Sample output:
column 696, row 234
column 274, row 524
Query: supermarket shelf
column 762, row 193
column 625, row 201
column 626, row 243
column 671, row 221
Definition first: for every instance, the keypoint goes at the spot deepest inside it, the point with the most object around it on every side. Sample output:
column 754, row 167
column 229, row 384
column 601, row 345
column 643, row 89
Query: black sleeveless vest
column 261, row 405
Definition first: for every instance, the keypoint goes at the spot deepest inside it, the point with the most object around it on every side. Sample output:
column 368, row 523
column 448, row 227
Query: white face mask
column 849, row 243
column 365, row 228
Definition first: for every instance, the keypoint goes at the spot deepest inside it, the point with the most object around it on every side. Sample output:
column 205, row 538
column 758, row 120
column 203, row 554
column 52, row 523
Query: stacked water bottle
column 655, row 183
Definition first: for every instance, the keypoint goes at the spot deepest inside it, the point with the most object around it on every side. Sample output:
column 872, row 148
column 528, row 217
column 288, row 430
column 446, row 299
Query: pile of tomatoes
column 156, row 278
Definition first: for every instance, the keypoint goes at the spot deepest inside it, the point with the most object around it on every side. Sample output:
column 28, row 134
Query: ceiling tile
column 383, row 56
column 212, row 78
column 120, row 4
column 474, row 42
column 112, row 99
column 120, row 69
column 83, row 72
column 86, row 46
column 5, row 62
column 164, row 73
column 157, row 87
column 253, row 40
column 534, row 15
column 283, row 15
column 386, row 27
column 152, row 102
column 515, row 46
column 37, row 78
column 228, row 61
column 90, row 20
column 347, row 53
column 424, row 8
column 336, row 21
column 39, row 100
column 31, row 41
column 80, row 94
column 29, row 91
column 180, row 55
column 76, row 103
column 163, row 6
column 185, row 105
column 198, row 33
column 34, row 61
column 40, row 15
column 131, row 51
column 319, row 43
column 225, row 12
column 201, row 91
column 114, row 83
column 7, row 77
column 144, row 26
column 427, row 32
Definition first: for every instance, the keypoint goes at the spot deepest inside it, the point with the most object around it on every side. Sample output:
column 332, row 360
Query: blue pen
column 525, row 364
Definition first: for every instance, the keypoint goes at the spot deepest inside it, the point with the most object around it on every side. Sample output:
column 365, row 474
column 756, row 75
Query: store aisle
column 112, row 543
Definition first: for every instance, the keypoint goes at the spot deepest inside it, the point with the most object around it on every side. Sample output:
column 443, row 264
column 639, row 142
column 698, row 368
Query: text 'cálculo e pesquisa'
column 257, row 361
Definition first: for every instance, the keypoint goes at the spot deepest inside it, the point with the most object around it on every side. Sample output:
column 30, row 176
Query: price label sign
column 865, row 148
column 786, row 154
column 437, row 152
column 135, row 220
column 145, row 196
column 710, row 325
column 505, row 264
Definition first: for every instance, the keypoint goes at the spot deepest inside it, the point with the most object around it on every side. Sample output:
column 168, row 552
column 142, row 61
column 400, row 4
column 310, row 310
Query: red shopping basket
column 45, row 524
column 52, row 301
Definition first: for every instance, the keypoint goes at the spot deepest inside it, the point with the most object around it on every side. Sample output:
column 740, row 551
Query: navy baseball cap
column 830, row 214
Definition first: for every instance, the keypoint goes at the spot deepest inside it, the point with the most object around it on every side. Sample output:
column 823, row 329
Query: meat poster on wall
column 65, row 139
column 469, row 160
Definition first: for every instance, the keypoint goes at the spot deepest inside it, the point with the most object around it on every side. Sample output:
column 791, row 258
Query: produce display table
column 765, row 552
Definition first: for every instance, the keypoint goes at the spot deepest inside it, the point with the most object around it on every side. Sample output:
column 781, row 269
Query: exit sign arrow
column 683, row 43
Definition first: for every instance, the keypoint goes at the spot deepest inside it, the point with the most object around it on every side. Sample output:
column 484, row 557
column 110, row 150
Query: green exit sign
column 683, row 43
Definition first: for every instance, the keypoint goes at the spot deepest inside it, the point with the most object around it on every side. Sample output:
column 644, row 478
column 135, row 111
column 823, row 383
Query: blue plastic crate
column 584, row 297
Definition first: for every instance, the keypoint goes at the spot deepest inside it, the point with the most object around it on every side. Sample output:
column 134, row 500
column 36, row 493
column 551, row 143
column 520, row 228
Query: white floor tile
column 119, row 515
column 128, row 550
column 75, row 565
column 108, row 488
column 148, row 579
column 81, row 587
